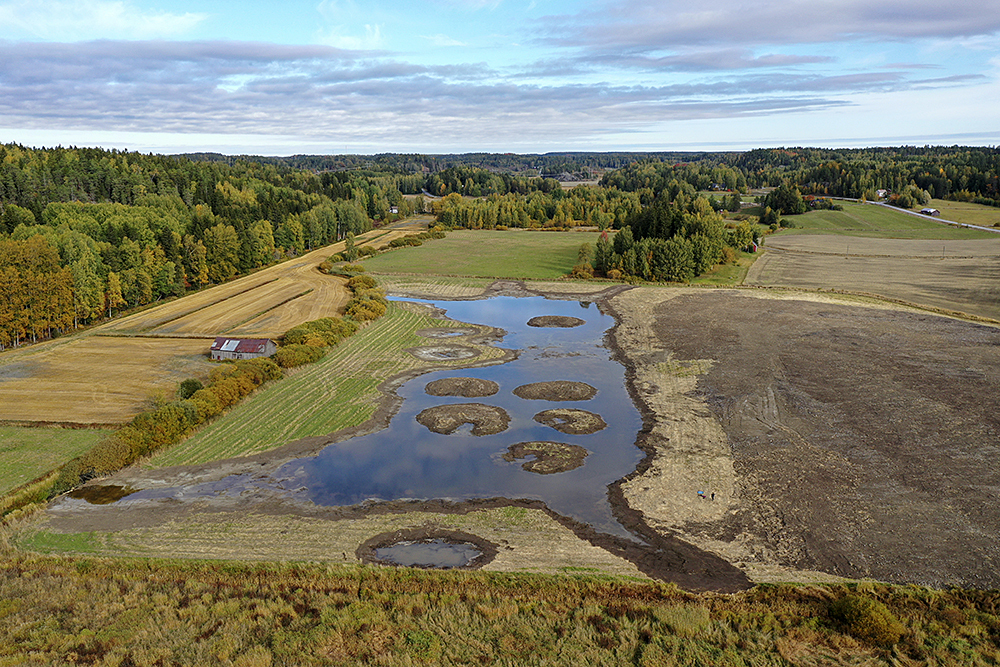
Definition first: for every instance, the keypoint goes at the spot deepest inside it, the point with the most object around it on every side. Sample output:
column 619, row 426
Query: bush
column 296, row 354
column 329, row 330
column 188, row 387
column 361, row 282
column 367, row 251
column 867, row 619
column 326, row 266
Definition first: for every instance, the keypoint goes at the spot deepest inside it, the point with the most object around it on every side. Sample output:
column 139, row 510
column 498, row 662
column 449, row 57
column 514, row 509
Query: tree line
column 87, row 232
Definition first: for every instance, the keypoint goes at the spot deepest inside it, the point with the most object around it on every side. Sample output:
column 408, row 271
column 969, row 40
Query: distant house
column 881, row 194
column 242, row 348
column 930, row 211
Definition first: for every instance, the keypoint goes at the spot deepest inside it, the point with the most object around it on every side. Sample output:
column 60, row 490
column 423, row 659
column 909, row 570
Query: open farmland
column 870, row 220
column 489, row 254
column 951, row 275
column 266, row 303
column 109, row 374
column 95, row 379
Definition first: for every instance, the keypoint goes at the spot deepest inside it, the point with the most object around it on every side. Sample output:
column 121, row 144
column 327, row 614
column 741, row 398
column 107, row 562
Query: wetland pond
column 497, row 444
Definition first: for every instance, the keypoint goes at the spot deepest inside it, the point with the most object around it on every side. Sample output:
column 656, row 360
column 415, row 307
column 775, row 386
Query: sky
column 520, row 76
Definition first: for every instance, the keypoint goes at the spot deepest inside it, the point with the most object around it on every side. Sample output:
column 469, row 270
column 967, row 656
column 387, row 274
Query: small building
column 930, row 211
column 242, row 348
column 881, row 194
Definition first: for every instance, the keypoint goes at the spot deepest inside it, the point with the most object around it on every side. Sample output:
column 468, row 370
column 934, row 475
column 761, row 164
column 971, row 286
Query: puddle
column 436, row 554
column 101, row 495
column 445, row 332
column 443, row 352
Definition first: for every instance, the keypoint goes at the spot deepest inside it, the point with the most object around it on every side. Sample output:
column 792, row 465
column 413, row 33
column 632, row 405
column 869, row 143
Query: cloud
column 91, row 19
column 655, row 25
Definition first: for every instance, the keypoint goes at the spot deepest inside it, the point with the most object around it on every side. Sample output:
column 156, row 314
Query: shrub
column 188, row 387
column 867, row 619
column 367, row 251
column 326, row 266
column 361, row 282
column 296, row 354
column 328, row 330
column 614, row 274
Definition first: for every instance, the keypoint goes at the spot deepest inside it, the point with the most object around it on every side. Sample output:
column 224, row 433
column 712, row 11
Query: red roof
column 240, row 345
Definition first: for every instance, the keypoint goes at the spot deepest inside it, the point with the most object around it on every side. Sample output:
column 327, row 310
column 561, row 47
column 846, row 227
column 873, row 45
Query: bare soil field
column 95, row 379
column 962, row 276
column 849, row 440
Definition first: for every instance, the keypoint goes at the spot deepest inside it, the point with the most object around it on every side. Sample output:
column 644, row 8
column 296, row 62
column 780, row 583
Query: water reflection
column 407, row 461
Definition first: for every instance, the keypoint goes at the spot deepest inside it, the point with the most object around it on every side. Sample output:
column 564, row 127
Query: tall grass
column 56, row 611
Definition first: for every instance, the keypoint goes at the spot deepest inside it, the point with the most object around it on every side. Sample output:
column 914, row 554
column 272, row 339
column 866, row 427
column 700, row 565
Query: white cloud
column 371, row 40
column 79, row 20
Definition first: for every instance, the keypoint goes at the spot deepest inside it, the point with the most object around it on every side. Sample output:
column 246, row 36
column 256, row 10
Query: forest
column 87, row 232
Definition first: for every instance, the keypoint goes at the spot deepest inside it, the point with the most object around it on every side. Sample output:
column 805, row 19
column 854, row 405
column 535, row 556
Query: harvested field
column 950, row 275
column 849, row 440
column 266, row 303
column 95, row 379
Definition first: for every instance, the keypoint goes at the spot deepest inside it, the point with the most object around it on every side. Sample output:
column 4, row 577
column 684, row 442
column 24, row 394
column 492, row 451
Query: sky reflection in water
column 408, row 461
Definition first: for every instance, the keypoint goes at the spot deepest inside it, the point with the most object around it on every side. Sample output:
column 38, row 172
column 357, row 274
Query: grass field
column 489, row 254
column 338, row 392
column 968, row 213
column 27, row 453
column 95, row 379
column 869, row 220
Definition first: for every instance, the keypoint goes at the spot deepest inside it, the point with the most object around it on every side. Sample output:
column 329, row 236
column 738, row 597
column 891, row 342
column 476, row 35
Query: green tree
column 222, row 246
column 114, row 293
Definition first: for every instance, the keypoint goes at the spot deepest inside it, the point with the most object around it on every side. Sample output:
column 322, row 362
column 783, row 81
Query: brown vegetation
column 446, row 419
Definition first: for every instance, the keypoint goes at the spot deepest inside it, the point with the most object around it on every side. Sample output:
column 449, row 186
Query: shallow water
column 430, row 553
column 408, row 461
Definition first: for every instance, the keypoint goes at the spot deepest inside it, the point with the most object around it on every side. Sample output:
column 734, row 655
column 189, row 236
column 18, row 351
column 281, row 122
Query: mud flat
column 547, row 457
column 556, row 390
column 838, row 440
column 464, row 387
column 446, row 419
column 571, row 421
column 555, row 322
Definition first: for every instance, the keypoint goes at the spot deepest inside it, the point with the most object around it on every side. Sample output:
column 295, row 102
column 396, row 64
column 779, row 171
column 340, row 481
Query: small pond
column 438, row 554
